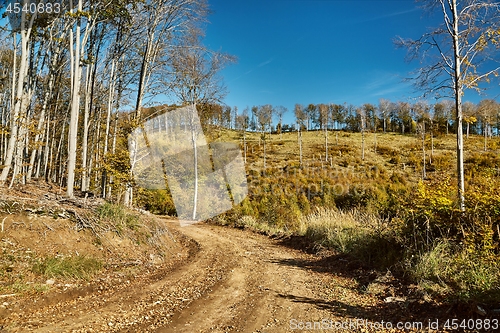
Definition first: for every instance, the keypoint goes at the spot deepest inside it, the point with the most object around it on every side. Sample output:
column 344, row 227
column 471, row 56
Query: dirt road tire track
column 232, row 281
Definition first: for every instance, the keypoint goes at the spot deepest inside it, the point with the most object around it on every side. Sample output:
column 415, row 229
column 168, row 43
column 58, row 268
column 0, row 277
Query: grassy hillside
column 380, row 210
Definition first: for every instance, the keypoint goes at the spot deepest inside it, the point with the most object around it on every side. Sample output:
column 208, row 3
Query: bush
column 455, row 253
column 156, row 201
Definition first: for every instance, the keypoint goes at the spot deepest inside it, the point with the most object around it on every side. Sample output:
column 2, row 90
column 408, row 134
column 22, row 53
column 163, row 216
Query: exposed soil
column 203, row 278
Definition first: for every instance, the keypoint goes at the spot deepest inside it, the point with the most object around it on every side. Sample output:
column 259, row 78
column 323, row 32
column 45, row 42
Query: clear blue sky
column 323, row 51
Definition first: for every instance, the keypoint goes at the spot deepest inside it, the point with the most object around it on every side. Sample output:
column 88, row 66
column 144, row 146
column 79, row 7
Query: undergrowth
column 118, row 216
column 76, row 267
column 379, row 210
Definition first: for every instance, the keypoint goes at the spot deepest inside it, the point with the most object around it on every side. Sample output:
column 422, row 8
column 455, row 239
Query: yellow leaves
column 470, row 120
column 481, row 43
column 442, row 201
column 434, row 199
column 421, row 189
column 489, row 36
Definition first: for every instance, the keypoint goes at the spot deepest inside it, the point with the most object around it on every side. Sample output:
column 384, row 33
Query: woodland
column 377, row 183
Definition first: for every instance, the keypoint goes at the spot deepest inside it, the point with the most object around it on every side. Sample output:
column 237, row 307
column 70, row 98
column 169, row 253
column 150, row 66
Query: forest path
column 232, row 281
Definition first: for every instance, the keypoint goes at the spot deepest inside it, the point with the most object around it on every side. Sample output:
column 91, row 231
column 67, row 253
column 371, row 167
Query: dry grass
column 381, row 184
column 363, row 236
column 76, row 267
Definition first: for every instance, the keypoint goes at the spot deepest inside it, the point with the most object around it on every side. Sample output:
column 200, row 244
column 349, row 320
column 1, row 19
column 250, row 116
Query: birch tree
column 77, row 42
column 324, row 116
column 20, row 98
column 242, row 123
column 264, row 115
column 487, row 110
column 280, row 112
column 384, row 108
column 361, row 112
column 300, row 117
column 458, row 55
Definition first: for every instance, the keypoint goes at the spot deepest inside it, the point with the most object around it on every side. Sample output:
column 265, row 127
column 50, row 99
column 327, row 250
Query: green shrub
column 156, row 201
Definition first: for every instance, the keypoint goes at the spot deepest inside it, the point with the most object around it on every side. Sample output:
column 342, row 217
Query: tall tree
column 264, row 115
column 196, row 80
column 311, row 114
column 443, row 113
column 324, row 116
column 463, row 47
column 242, row 123
column 337, row 116
column 361, row 112
column 300, row 117
column 20, row 97
column 469, row 110
column 280, row 112
column 384, row 108
column 487, row 110
column 195, row 71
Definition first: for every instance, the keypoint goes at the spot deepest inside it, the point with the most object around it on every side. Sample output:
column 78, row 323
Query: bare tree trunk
column 458, row 106
column 264, row 139
column 245, row 144
column 143, row 75
column 108, row 123
column 86, row 114
column 299, row 134
column 41, row 122
column 113, row 150
column 363, row 144
column 41, row 152
column 423, row 151
column 326, row 145
column 98, row 145
column 485, row 137
column 18, row 101
column 432, row 144
column 195, row 152
column 59, row 153
column 49, row 170
column 75, row 104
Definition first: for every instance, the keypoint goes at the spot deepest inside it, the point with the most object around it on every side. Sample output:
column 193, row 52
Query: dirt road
column 228, row 280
